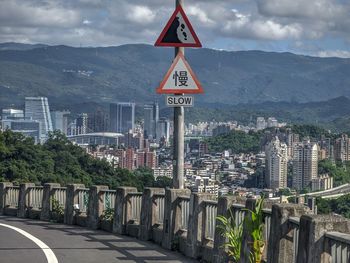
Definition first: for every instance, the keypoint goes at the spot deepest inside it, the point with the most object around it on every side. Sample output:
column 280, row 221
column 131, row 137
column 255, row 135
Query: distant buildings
column 30, row 128
column 163, row 130
column 82, row 124
column 276, row 164
column 37, row 109
column 305, row 164
column 60, row 121
column 151, row 118
column 132, row 159
column 98, row 121
column 12, row 114
column 261, row 123
column 342, row 148
column 322, row 182
column 122, row 117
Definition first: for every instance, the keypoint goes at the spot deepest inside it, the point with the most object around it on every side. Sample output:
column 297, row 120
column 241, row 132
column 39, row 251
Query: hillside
column 70, row 75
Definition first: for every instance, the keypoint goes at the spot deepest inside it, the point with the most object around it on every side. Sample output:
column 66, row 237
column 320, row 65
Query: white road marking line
column 50, row 256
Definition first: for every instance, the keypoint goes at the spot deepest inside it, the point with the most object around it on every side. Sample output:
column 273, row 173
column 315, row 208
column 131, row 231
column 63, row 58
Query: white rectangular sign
column 177, row 101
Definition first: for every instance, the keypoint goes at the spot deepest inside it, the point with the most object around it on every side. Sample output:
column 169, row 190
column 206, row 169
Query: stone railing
column 177, row 219
column 35, row 197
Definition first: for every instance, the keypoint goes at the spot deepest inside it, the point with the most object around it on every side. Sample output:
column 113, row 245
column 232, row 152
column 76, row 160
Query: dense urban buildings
column 122, row 117
column 283, row 162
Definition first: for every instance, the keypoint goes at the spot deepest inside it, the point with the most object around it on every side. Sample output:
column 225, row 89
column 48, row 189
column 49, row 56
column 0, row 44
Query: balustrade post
column 22, row 199
column 280, row 246
column 172, row 216
column 71, row 200
column 95, row 206
column 121, row 211
column 3, row 196
column 149, row 212
column 46, row 202
column 312, row 228
column 196, row 223
column 224, row 206
column 246, row 235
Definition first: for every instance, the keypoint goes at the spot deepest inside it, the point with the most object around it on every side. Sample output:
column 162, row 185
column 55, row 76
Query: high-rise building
column 98, row 121
column 122, row 117
column 260, row 123
column 37, row 109
column 276, row 164
column 151, row 119
column 148, row 125
column 82, row 124
column 155, row 115
column 272, row 122
column 342, row 148
column 163, row 129
column 305, row 164
column 60, row 120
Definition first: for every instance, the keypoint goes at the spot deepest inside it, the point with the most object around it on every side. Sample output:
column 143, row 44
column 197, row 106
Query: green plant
column 233, row 234
column 57, row 210
column 108, row 214
column 255, row 227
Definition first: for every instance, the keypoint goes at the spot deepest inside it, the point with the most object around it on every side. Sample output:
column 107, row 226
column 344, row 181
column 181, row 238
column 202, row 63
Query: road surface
column 31, row 241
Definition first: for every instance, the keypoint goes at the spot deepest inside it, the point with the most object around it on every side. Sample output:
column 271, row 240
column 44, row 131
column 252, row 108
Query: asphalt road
column 73, row 244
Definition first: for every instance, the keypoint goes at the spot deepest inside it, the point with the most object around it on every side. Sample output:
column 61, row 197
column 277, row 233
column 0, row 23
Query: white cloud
column 140, row 14
column 14, row 13
column 320, row 9
column 334, row 53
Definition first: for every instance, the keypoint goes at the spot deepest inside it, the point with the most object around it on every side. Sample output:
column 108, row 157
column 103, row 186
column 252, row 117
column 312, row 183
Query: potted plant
column 233, row 234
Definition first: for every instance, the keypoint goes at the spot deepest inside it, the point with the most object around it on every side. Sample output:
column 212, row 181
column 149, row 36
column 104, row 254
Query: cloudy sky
column 313, row 27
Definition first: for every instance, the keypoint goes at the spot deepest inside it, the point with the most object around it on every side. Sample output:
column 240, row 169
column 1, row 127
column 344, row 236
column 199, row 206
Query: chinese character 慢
column 180, row 77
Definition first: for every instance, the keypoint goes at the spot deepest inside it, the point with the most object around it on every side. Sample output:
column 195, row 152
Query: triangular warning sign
column 180, row 79
column 178, row 32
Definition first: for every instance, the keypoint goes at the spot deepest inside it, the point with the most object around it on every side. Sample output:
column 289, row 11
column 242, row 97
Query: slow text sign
column 177, row 101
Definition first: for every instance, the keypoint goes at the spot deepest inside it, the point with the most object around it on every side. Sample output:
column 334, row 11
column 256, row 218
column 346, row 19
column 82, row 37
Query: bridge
column 53, row 224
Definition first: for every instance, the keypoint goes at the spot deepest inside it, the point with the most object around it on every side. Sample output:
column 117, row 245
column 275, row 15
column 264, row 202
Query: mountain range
column 238, row 85
column 69, row 75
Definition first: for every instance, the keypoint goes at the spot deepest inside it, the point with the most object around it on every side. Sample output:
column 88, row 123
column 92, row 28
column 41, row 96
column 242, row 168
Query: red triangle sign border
column 160, row 89
column 166, row 28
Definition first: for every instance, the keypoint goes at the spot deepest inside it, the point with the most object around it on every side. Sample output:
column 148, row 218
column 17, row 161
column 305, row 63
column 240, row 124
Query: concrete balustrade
column 46, row 207
column 3, row 191
column 96, row 206
column 292, row 233
column 151, row 205
column 72, row 202
column 22, row 210
column 122, row 212
column 172, row 233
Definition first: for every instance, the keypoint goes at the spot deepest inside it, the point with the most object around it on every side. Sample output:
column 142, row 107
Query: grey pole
column 179, row 134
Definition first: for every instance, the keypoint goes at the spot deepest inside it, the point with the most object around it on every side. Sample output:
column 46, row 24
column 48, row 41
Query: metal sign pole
column 179, row 133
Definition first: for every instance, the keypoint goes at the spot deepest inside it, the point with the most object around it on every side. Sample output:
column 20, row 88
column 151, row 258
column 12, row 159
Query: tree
column 163, row 182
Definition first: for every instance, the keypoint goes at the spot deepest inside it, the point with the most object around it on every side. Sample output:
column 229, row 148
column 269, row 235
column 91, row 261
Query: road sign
column 180, row 79
column 177, row 101
column 178, row 32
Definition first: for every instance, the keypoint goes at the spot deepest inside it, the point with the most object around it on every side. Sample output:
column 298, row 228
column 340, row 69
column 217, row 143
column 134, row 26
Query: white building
column 276, row 164
column 305, row 164
column 260, row 123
